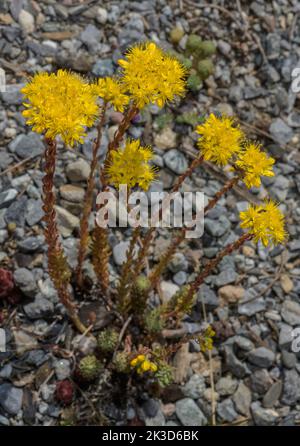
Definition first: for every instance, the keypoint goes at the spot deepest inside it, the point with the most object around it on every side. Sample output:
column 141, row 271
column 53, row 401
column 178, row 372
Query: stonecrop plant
column 63, row 105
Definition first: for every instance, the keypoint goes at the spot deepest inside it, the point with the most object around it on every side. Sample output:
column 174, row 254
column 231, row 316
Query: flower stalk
column 211, row 265
column 127, row 275
column 170, row 251
column 88, row 201
column 57, row 264
column 149, row 235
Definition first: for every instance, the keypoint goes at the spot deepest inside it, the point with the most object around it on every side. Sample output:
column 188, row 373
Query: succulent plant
column 64, row 392
column 194, row 82
column 153, row 320
column 206, row 49
column 107, row 340
column 8, row 290
column 121, row 362
column 189, row 118
column 6, row 283
column 193, row 43
column 205, row 68
column 176, row 35
column 88, row 368
column 140, row 292
column 164, row 374
column 163, row 120
column 142, row 283
column 179, row 302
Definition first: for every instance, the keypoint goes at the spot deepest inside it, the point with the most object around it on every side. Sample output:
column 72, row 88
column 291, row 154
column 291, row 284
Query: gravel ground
column 256, row 375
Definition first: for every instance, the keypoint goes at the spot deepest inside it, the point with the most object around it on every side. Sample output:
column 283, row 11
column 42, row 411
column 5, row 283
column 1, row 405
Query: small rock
column 120, row 252
column 225, row 277
column 242, row 399
column 178, row 263
column 235, row 93
column 24, row 341
column 243, row 343
column 17, row 211
column 189, row 413
column 195, row 387
column 168, row 409
column 224, row 109
column 231, row 294
column 27, row 145
column 12, row 96
column 66, row 221
column 180, row 278
column 39, row 308
column 4, row 421
column 291, row 388
column 248, row 251
column 7, row 197
column 290, row 312
column 224, row 47
column 78, row 170
column 24, row 279
column 181, row 363
column 294, row 119
column 72, row 193
column 263, row 417
column 226, row 386
column 11, row 398
column 217, row 228
column 226, row 411
column 34, row 212
column 26, row 21
column 285, row 336
column 272, row 395
column 150, row 407
column 286, row 283
column 31, row 245
column 235, row 366
column 176, row 161
column 289, row 360
column 280, row 131
column 168, row 289
column 208, row 296
column 95, row 313
column 262, row 357
column 3, row 236
column 253, row 306
column 101, row 15
column 103, row 67
column 84, row 344
column 166, row 139
column 62, row 369
column 158, row 420
column 91, row 37
column 260, row 381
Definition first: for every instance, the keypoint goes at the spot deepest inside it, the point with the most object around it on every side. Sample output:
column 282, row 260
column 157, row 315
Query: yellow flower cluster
column 131, row 166
column 265, row 222
column 254, row 164
column 206, row 340
column 112, row 91
column 142, row 364
column 152, row 76
column 220, row 139
column 60, row 103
